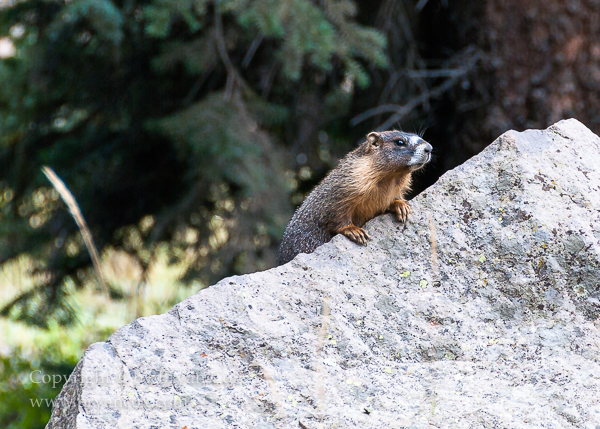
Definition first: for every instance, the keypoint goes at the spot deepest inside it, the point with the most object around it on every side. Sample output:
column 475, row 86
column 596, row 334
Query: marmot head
column 397, row 150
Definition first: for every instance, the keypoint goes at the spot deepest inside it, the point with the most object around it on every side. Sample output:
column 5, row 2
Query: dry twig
column 70, row 201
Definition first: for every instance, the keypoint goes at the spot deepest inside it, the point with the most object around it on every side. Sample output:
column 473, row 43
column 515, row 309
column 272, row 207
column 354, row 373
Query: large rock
column 482, row 311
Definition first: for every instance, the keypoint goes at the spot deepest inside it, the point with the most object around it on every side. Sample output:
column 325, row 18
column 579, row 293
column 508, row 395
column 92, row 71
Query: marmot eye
column 400, row 143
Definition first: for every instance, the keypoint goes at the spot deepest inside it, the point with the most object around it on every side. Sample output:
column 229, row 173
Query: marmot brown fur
column 369, row 181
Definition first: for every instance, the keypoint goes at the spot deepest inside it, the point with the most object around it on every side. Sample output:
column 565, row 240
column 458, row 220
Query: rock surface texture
column 482, row 311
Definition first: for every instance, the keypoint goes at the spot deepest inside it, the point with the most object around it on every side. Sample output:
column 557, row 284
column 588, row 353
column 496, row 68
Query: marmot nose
column 428, row 148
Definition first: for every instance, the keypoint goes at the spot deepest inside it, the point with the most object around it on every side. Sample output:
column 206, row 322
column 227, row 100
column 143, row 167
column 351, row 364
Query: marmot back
column 369, row 181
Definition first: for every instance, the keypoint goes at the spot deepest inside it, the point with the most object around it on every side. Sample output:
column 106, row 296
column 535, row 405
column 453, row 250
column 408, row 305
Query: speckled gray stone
column 481, row 312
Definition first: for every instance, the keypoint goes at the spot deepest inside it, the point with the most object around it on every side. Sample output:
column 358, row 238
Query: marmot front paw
column 356, row 234
column 401, row 209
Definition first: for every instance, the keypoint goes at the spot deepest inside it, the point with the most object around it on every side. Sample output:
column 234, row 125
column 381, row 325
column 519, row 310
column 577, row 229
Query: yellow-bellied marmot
column 369, row 181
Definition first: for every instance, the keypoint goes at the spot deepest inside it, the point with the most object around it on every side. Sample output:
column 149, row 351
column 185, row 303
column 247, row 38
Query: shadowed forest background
column 188, row 130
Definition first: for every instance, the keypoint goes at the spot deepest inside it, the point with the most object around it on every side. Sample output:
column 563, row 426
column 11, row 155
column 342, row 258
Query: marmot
column 369, row 181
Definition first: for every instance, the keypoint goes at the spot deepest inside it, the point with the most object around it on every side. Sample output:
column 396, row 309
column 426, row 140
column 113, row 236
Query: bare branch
column 436, row 73
column 421, row 5
column 252, row 50
column 384, row 108
column 232, row 74
column 412, row 104
column 454, row 75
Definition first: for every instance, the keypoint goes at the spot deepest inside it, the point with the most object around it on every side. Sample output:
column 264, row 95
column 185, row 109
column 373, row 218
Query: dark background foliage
column 201, row 124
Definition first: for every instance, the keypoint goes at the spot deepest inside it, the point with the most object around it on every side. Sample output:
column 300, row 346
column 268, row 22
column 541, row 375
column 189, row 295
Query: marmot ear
column 374, row 138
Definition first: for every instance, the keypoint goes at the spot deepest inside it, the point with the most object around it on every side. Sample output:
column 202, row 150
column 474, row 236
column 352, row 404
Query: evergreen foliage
column 169, row 120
